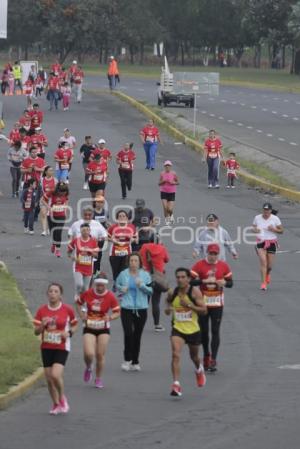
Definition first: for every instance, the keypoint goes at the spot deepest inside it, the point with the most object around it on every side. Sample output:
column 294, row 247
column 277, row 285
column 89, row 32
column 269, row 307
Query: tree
column 294, row 29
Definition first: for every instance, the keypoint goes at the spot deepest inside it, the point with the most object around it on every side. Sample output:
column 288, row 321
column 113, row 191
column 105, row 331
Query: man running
column 125, row 159
column 185, row 302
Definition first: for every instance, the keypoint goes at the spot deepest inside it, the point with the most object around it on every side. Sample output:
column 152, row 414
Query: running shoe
column 212, row 366
column 98, row 383
column 85, row 186
column 159, row 328
column 228, row 187
column 135, row 367
column 210, row 186
column 268, row 279
column 44, row 233
column 206, row 362
column 217, row 186
column 64, row 405
column 176, row 390
column 200, row 378
column 233, row 187
column 57, row 252
column 87, row 376
column 264, row 286
column 55, row 410
column 52, row 248
column 126, row 366
column 31, row 232
column 26, row 230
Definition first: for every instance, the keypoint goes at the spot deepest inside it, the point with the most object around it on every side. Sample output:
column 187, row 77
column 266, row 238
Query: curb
column 30, row 381
column 249, row 179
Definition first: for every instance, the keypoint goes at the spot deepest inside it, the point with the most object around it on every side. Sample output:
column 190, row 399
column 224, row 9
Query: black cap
column 267, row 206
column 140, row 202
column 211, row 217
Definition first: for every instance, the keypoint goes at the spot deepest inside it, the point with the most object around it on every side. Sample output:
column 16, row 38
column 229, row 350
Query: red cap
column 213, row 248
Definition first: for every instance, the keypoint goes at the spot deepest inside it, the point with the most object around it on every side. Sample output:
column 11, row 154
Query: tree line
column 192, row 31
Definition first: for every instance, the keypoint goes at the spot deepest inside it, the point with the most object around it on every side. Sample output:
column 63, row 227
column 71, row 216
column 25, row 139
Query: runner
column 85, row 248
column 231, row 166
column 28, row 90
column 48, row 185
column 25, row 120
column 85, row 151
column 104, row 152
column 36, row 116
column 72, row 70
column 185, row 303
column 18, row 77
column 32, row 167
column 213, row 275
column 113, row 73
column 214, row 233
column 25, row 140
column 154, row 257
column 124, row 159
column 213, row 154
column 39, row 141
column 97, row 171
column 143, row 220
column 66, row 95
column 14, row 135
column 150, row 138
column 11, row 82
column 56, row 67
column 30, row 201
column 266, row 226
column 63, row 157
column 53, row 94
column 78, row 81
column 168, row 183
column 57, row 213
column 16, row 156
column 101, row 215
column 121, row 235
column 98, row 301
column 55, row 322
column 67, row 137
column 134, row 284
column 97, row 230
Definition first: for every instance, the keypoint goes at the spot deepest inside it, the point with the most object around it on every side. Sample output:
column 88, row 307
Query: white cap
column 101, row 141
column 111, row 57
column 168, row 163
column 74, row 62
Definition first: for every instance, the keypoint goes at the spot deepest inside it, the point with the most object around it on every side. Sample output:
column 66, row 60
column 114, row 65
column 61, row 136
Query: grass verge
column 19, row 348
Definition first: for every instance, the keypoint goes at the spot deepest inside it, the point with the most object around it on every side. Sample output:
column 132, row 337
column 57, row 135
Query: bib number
column 84, row 260
column 213, row 301
column 96, row 324
column 98, row 177
column 64, row 166
column 53, row 338
column 125, row 165
column 57, row 208
column 183, row 316
column 121, row 252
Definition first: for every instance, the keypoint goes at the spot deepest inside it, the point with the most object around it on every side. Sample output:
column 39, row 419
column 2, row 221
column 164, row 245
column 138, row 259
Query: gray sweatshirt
column 214, row 235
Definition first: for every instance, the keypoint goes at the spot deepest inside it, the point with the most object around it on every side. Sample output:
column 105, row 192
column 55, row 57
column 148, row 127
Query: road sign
column 196, row 83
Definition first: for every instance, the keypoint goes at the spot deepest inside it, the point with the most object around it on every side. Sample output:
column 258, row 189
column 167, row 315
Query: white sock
column 200, row 369
column 176, row 382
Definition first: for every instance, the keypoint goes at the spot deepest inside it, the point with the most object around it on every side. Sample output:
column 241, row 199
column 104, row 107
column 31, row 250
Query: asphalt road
column 251, row 402
column 264, row 119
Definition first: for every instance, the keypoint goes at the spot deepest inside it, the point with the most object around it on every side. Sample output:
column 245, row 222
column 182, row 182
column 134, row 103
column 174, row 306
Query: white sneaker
column 26, row 230
column 233, row 187
column 167, row 221
column 172, row 219
column 31, row 232
column 85, row 186
column 126, row 366
column 227, row 187
column 135, row 367
column 210, row 186
column 217, row 186
column 44, row 233
column 159, row 328
column 48, row 232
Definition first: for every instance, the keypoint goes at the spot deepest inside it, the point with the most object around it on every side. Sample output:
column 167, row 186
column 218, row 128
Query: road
column 250, row 402
column 263, row 119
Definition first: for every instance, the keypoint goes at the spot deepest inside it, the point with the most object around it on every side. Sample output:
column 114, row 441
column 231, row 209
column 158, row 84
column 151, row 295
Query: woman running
column 168, row 183
column 97, row 171
column 99, row 302
column 48, row 186
column 55, row 322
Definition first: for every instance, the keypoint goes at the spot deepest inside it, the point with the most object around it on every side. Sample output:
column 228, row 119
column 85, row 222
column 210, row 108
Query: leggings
column 126, row 180
column 214, row 315
column 56, row 226
column 97, row 263
column 118, row 264
column 155, row 300
column 82, row 282
column 16, row 175
column 133, row 322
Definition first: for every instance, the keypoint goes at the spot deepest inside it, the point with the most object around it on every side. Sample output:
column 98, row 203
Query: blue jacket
column 145, row 290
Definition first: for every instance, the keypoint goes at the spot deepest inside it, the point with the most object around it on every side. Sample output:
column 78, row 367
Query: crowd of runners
column 136, row 256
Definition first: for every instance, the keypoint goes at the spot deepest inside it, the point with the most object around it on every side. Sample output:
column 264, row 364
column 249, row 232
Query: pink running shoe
column 98, row 383
column 55, row 410
column 64, row 405
column 87, row 376
column 57, row 252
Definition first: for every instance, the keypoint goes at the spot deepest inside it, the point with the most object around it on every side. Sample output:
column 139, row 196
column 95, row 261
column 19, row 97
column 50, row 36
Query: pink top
column 169, row 177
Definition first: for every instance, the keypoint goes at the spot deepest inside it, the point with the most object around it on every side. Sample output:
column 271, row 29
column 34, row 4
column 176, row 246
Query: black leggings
column 155, row 300
column 126, row 180
column 97, row 262
column 118, row 264
column 133, row 322
column 16, row 175
column 214, row 314
column 56, row 228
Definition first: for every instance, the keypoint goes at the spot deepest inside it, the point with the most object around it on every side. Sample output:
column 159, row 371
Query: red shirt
column 73, row 69
column 78, row 76
column 84, row 254
column 125, row 159
column 66, row 155
column 29, row 162
column 98, row 307
column 98, row 172
column 28, row 87
column 37, row 118
column 105, row 153
column 231, row 166
column 58, row 205
column 159, row 256
column 150, row 133
column 59, row 320
column 213, row 147
column 25, row 122
column 48, row 187
column 26, row 140
column 53, row 83
column 14, row 135
column 56, row 68
column 39, row 140
column 212, row 292
column 123, row 235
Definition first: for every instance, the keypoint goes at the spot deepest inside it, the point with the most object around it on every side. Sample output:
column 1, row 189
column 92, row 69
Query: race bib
column 183, row 316
column 27, row 204
column 231, row 171
column 150, row 139
column 96, row 324
column 53, row 338
column 84, row 260
column 213, row 301
column 98, row 177
column 58, row 208
column 121, row 252
column 125, row 165
column 64, row 166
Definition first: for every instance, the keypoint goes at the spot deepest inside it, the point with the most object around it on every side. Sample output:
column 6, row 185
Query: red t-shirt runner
column 98, row 172
column 58, row 205
column 84, row 250
column 14, row 135
column 213, row 294
column 53, row 83
column 125, row 159
column 66, row 155
column 150, row 133
column 213, row 147
column 38, row 162
column 123, row 236
column 104, row 153
column 48, row 187
column 40, row 140
column 59, row 320
column 98, row 307
column 37, row 118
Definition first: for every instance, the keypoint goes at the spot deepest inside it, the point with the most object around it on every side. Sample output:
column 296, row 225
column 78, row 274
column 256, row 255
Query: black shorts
column 94, row 187
column 271, row 249
column 95, row 332
column 167, row 196
column 51, row 356
column 189, row 339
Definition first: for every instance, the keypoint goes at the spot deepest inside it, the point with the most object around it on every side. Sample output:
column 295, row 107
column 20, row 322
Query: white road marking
column 297, row 102
column 289, row 366
column 253, row 107
column 264, row 109
column 221, row 118
column 178, row 143
column 141, row 90
column 242, row 104
column 230, row 121
column 281, row 139
column 233, row 102
column 240, row 124
column 259, row 131
column 295, row 118
column 294, row 144
column 286, row 101
column 212, row 115
column 204, row 112
column 284, row 115
column 274, row 112
column 270, row 135
column 249, row 127
column 275, row 98
column 223, row 101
